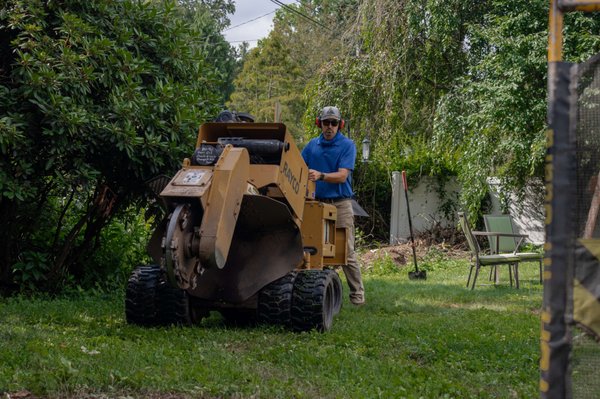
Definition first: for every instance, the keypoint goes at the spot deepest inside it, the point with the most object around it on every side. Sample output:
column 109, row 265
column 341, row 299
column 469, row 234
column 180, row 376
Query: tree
column 449, row 88
column 280, row 67
column 208, row 18
column 95, row 99
column 441, row 87
column 494, row 118
column 399, row 59
column 218, row 9
column 269, row 75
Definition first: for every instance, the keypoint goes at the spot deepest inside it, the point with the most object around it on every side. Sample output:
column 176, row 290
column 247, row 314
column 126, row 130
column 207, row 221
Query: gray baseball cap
column 330, row 112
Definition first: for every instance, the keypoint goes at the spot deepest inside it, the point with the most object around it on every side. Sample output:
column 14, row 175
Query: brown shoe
column 357, row 301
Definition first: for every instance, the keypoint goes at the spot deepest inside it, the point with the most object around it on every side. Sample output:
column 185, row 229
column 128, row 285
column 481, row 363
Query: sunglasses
column 330, row 122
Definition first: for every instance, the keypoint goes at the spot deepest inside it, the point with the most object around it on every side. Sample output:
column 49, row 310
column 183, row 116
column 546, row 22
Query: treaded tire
column 338, row 294
column 140, row 296
column 173, row 304
column 275, row 301
column 151, row 301
column 314, row 300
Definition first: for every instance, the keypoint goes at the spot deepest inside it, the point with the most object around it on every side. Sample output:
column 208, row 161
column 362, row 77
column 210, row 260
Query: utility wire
column 251, row 20
column 288, row 8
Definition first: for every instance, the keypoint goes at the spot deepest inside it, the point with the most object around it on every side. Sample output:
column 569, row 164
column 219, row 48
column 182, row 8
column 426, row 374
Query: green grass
column 413, row 339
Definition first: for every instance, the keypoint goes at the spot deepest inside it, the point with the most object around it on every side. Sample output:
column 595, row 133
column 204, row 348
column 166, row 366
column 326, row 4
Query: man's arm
column 333, row 177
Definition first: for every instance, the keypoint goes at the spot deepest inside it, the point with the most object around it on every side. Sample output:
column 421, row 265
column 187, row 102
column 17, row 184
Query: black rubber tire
column 140, row 296
column 150, row 300
column 173, row 304
column 314, row 300
column 338, row 294
column 275, row 301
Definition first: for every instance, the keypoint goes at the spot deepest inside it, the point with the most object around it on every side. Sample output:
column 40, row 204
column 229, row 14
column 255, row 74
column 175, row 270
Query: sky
column 247, row 10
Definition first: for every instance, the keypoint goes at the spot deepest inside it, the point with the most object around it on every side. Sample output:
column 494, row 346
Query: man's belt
column 332, row 200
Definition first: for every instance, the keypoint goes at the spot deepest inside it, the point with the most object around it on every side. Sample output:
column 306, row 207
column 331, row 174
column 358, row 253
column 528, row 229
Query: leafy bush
column 122, row 247
column 96, row 98
column 30, row 269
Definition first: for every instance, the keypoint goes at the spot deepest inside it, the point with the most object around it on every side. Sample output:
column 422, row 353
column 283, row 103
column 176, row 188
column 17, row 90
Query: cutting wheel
column 178, row 247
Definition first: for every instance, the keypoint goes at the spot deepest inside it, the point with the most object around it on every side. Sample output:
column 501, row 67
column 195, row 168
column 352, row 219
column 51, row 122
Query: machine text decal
column 293, row 180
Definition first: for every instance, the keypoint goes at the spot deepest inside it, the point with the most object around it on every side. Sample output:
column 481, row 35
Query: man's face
column 329, row 127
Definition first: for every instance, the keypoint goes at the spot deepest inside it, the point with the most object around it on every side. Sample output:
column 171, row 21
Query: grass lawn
column 412, row 339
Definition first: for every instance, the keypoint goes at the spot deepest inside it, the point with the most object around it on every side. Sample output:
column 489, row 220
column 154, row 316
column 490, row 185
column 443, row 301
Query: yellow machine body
column 242, row 214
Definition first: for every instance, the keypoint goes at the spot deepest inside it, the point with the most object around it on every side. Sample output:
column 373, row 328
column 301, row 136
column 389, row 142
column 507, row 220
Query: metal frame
column 557, row 10
column 557, row 344
column 579, row 5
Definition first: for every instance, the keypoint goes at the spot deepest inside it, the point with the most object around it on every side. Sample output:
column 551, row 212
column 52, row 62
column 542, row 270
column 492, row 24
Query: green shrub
column 97, row 97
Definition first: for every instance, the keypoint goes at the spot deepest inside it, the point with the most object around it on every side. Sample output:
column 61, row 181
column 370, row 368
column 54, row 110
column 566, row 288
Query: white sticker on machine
column 193, row 177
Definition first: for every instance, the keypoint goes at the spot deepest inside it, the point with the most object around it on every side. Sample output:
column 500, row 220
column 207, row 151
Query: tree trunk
column 9, row 247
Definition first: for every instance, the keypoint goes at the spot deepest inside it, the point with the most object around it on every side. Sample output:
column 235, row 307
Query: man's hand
column 334, row 177
column 314, row 175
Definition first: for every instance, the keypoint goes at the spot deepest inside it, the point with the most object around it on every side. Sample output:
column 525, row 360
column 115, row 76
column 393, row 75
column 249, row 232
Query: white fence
column 426, row 208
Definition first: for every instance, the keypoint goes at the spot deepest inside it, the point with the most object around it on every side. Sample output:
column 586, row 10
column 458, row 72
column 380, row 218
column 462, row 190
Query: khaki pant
column 345, row 218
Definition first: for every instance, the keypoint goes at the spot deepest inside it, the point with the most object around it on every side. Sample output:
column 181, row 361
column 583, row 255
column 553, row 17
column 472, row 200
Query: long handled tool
column 417, row 274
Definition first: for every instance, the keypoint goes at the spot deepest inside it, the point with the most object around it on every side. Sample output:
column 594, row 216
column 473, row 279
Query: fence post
column 394, row 218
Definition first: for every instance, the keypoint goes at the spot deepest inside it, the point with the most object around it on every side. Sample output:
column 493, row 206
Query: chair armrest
column 497, row 234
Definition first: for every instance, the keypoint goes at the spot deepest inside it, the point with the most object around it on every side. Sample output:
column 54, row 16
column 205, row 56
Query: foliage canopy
column 451, row 87
column 279, row 67
column 95, row 99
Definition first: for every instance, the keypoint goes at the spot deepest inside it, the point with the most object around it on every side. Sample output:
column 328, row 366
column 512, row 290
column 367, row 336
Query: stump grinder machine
column 244, row 236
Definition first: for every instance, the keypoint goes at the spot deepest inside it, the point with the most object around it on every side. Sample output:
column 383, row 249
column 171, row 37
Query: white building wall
column 527, row 213
column 424, row 202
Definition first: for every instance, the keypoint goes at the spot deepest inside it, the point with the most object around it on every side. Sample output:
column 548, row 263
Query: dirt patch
column 442, row 243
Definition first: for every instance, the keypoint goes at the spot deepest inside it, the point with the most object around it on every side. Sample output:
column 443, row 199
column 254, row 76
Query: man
column 330, row 159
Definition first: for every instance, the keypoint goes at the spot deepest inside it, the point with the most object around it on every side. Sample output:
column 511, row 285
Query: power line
column 251, row 20
column 287, row 7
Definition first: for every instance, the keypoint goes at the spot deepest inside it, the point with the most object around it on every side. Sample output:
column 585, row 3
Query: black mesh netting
column 585, row 352
column 570, row 349
column 585, row 363
column 588, row 148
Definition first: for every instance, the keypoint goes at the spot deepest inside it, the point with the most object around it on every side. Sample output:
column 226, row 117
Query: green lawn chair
column 478, row 260
column 504, row 224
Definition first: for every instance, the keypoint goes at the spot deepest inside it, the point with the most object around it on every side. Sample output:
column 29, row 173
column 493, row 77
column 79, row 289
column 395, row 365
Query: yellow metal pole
column 555, row 36
column 579, row 5
column 587, row 8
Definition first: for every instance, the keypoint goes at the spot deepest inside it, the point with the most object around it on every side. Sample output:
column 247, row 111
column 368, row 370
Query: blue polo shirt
column 329, row 156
